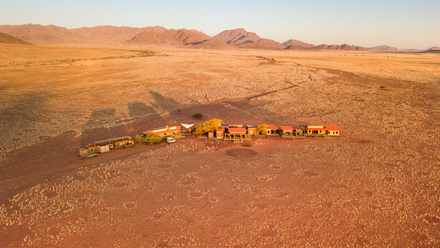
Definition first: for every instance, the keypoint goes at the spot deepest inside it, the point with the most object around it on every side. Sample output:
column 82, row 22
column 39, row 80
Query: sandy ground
column 376, row 186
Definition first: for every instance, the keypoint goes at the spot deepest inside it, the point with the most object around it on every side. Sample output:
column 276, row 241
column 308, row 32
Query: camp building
column 297, row 131
column 271, row 130
column 164, row 132
column 328, row 130
column 251, row 129
column 236, row 134
column 219, row 133
column 286, row 131
column 102, row 146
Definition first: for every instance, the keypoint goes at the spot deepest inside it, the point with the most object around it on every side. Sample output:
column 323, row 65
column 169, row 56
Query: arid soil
column 375, row 186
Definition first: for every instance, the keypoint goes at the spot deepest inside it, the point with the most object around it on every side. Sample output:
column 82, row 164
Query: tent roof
column 187, row 126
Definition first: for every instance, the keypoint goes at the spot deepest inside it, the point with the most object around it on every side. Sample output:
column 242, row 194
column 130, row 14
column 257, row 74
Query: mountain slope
column 241, row 38
column 211, row 44
column 164, row 36
column 42, row 35
column 6, row 38
column 383, row 48
column 434, row 48
column 297, row 45
column 340, row 47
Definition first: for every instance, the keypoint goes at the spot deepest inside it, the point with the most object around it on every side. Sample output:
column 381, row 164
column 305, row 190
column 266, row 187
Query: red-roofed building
column 328, row 130
column 236, row 130
column 332, row 130
column 286, row 131
column 237, row 134
column 270, row 130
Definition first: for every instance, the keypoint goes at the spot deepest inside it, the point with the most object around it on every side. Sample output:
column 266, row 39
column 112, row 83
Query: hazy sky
column 400, row 23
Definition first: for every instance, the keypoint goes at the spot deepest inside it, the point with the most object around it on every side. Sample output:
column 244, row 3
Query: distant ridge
column 383, row 48
column 341, row 47
column 235, row 38
column 211, row 44
column 297, row 45
column 44, row 35
column 434, row 48
column 241, row 38
column 160, row 35
column 6, row 38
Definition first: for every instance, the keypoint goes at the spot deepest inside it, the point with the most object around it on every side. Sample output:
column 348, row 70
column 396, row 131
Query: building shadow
column 144, row 117
column 102, row 124
column 164, row 103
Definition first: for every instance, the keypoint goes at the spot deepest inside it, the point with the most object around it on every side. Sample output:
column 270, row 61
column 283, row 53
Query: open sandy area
column 378, row 185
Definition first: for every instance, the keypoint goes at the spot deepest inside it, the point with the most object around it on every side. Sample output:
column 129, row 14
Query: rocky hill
column 241, row 38
column 6, row 38
column 43, row 35
column 211, row 44
column 46, row 35
column 434, row 48
column 383, row 48
column 160, row 35
column 297, row 45
column 340, row 47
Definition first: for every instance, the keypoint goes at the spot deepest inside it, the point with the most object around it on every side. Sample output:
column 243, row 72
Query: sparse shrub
column 152, row 139
column 138, row 138
column 179, row 110
column 383, row 87
column 197, row 115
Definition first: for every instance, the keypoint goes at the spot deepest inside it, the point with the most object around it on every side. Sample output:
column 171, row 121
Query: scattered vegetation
column 197, row 115
column 209, row 126
column 265, row 58
column 262, row 129
column 139, row 53
column 138, row 138
column 383, row 87
column 152, row 139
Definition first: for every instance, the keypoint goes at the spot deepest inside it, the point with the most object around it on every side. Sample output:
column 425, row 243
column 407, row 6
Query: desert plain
column 378, row 185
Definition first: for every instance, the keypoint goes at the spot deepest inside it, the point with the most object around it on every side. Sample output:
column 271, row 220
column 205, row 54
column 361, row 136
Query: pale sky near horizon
column 404, row 24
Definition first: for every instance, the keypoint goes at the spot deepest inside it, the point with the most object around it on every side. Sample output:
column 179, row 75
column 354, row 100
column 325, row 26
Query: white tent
column 187, row 126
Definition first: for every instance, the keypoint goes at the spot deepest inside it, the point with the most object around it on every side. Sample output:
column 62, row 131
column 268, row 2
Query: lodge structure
column 327, row 130
column 102, row 146
column 237, row 133
column 164, row 132
column 290, row 132
column 271, row 130
column 286, row 131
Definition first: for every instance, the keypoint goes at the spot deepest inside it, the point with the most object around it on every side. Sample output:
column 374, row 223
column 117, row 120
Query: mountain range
column 236, row 38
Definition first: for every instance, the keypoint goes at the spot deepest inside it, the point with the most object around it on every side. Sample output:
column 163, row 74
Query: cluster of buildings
column 236, row 133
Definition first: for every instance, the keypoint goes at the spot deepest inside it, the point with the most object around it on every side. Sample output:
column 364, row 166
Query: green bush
column 197, row 115
column 152, row 139
column 138, row 138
